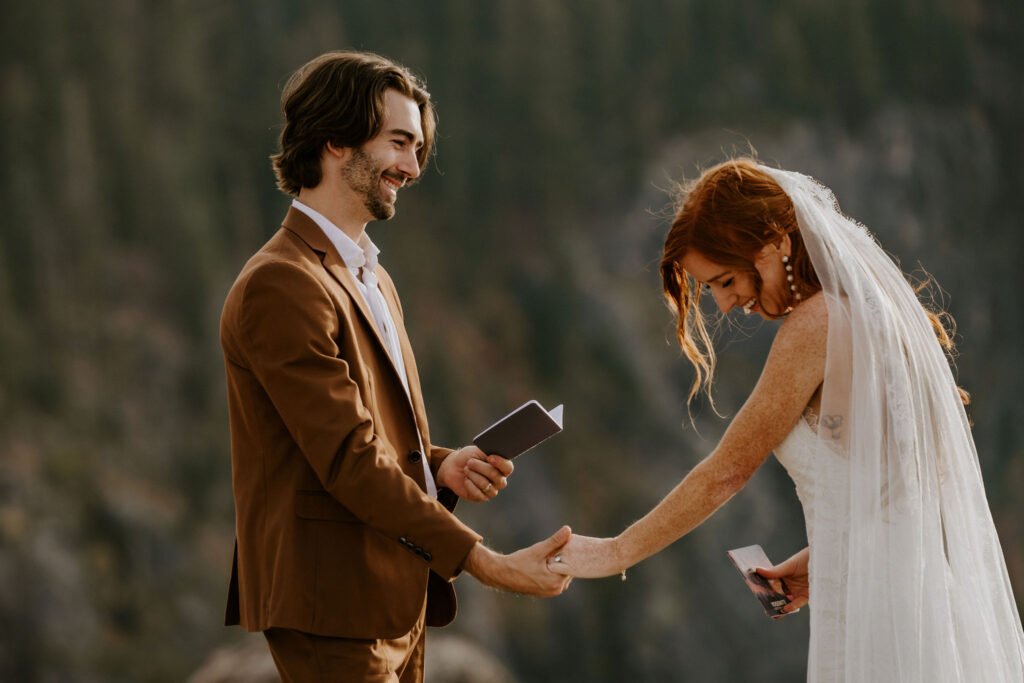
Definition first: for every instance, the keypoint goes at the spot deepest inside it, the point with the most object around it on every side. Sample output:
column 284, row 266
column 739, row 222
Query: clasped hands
column 544, row 569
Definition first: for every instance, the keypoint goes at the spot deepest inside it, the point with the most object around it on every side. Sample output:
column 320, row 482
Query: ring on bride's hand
column 489, row 486
column 556, row 559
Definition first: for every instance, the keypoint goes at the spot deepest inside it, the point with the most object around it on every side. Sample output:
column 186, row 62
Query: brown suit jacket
column 335, row 534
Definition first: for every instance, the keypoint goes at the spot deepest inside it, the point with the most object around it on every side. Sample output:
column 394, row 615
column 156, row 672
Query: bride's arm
column 793, row 371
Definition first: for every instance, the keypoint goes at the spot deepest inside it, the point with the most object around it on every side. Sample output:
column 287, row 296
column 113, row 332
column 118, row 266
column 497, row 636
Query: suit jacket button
column 415, row 456
column 427, row 556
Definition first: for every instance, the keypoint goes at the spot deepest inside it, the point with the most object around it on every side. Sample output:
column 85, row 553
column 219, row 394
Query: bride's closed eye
column 706, row 286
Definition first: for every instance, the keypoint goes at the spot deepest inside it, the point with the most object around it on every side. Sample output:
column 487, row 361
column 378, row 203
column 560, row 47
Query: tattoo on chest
column 834, row 424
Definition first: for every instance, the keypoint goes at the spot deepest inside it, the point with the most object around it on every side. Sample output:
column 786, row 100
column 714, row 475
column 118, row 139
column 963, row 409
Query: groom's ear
column 335, row 153
column 332, row 159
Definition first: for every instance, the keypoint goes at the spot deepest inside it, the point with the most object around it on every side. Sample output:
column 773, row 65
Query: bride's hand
column 587, row 557
column 794, row 572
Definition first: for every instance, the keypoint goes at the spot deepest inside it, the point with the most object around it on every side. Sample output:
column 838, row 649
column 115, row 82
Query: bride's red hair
column 727, row 215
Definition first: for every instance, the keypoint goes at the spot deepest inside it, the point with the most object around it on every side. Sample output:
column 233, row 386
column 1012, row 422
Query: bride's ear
column 773, row 252
column 785, row 246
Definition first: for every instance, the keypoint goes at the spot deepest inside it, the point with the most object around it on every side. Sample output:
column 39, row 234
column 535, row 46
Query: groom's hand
column 524, row 571
column 474, row 475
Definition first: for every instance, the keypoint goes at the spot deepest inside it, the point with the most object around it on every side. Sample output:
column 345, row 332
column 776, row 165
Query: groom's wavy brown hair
column 728, row 215
column 338, row 98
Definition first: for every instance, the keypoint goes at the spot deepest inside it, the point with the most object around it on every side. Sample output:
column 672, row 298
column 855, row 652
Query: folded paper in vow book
column 520, row 430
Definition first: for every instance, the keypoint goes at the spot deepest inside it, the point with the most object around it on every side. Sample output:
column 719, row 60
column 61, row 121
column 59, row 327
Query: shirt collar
column 356, row 255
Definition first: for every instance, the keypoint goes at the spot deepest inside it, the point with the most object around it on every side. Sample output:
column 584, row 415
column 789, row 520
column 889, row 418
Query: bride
column 903, row 571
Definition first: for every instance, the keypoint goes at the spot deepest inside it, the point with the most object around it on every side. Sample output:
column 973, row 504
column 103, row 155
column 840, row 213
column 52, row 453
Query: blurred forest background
column 135, row 184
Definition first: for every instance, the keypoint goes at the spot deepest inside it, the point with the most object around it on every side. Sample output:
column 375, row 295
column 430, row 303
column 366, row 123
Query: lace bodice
column 818, row 471
column 820, row 474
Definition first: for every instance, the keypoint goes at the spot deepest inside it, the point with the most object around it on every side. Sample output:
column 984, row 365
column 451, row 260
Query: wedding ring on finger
column 490, row 485
column 557, row 559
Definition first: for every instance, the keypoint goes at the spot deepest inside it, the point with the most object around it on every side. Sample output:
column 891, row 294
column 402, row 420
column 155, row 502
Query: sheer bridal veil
column 917, row 585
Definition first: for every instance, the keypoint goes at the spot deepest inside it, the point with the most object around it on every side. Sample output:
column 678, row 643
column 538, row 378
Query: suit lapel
column 307, row 230
column 303, row 226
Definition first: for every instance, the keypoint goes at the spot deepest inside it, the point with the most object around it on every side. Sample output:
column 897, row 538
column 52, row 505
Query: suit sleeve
column 448, row 498
column 288, row 325
column 437, row 456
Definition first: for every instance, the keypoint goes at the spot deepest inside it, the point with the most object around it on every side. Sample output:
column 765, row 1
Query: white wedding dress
column 819, row 471
column 908, row 581
column 958, row 649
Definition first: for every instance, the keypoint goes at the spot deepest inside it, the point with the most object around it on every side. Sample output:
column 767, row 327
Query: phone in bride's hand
column 771, row 593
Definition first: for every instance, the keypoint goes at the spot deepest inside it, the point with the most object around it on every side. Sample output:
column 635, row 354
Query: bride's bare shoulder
column 804, row 332
column 809, row 317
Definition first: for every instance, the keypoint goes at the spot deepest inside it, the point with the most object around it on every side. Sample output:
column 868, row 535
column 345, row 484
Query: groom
column 346, row 544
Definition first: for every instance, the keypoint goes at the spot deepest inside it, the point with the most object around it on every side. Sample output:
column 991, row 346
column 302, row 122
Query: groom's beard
column 363, row 174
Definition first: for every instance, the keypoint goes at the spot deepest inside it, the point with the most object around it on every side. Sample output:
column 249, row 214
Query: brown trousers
column 305, row 658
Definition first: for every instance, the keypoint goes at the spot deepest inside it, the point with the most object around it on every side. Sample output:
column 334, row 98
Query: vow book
column 771, row 593
column 520, row 430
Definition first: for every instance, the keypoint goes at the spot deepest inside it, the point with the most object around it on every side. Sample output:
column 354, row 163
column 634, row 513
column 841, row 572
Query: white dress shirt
column 361, row 260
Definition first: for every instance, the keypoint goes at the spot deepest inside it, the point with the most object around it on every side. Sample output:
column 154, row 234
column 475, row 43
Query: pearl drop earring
column 789, row 278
